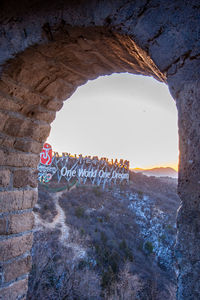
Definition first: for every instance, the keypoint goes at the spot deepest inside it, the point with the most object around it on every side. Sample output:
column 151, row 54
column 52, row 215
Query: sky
column 124, row 116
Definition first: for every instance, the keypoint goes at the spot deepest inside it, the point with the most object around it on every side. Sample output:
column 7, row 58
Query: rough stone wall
column 167, row 30
column 43, row 60
column 183, row 80
column 188, row 220
column 32, row 89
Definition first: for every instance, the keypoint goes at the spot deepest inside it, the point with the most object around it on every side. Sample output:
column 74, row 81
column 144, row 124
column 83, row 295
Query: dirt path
column 58, row 221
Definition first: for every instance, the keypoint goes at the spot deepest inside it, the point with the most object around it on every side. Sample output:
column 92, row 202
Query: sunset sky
column 120, row 116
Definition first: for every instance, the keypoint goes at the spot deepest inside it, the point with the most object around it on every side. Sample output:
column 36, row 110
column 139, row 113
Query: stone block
column 15, row 246
column 16, row 290
column 48, row 116
column 8, row 103
column 59, row 89
column 41, row 132
column 34, row 130
column 18, row 127
column 20, row 92
column 39, row 112
column 4, row 178
column 3, row 225
column 6, row 141
column 17, row 200
column 17, row 268
column 3, row 117
column 20, row 222
column 23, row 178
column 13, row 126
column 54, row 104
column 27, row 145
column 18, row 159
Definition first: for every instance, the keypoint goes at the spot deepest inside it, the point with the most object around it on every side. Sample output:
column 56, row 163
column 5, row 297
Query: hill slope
column 99, row 244
column 158, row 172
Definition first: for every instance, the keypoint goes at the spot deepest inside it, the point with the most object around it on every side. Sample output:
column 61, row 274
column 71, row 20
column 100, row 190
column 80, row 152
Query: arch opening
column 120, row 115
column 33, row 87
column 66, row 128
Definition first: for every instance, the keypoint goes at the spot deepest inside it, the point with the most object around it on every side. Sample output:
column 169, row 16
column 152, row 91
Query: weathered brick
column 3, row 225
column 38, row 112
column 23, row 178
column 8, row 103
column 38, row 132
column 20, row 222
column 17, row 268
column 13, row 125
column 20, row 92
column 32, row 79
column 16, row 290
column 3, row 117
column 17, row 159
column 59, row 89
column 45, row 116
column 4, row 178
column 6, row 141
column 28, row 145
column 17, row 200
column 54, row 104
column 18, row 127
column 15, row 246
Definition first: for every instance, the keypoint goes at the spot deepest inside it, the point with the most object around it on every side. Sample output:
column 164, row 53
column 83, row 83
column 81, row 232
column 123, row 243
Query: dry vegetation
column 104, row 255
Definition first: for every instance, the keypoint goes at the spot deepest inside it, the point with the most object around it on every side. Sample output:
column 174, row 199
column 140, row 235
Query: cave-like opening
column 129, row 107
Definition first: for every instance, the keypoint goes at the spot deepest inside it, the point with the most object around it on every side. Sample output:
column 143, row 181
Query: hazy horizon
column 120, row 116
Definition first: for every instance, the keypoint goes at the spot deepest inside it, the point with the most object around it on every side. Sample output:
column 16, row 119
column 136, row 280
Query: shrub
column 82, row 264
column 128, row 254
column 114, row 260
column 107, row 278
column 107, row 218
column 97, row 191
column 82, row 231
column 103, row 237
column 122, row 245
column 163, row 237
column 79, row 212
column 126, row 250
column 148, row 246
column 140, row 195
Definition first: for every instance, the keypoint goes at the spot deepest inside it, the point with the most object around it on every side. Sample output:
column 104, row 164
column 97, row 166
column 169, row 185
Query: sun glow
column 120, row 116
column 168, row 165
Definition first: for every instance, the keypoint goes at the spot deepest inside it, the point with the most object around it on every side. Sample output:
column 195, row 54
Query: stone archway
column 49, row 49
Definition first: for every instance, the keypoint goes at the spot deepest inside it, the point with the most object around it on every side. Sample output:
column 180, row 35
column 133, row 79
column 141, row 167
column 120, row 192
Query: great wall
column 48, row 49
column 93, row 169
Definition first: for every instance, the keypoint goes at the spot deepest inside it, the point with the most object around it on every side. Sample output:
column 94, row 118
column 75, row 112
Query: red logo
column 46, row 154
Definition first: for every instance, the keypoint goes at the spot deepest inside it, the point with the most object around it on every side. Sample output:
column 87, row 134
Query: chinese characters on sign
column 84, row 169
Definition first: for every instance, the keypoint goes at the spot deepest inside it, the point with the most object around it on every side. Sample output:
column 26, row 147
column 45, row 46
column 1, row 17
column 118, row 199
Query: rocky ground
column 115, row 243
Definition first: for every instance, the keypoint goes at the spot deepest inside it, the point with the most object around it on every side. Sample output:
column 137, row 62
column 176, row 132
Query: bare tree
column 127, row 286
column 56, row 273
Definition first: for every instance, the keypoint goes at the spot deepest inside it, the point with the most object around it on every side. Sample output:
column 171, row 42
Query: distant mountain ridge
column 158, row 172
